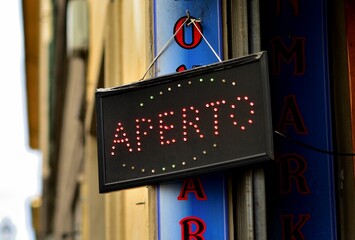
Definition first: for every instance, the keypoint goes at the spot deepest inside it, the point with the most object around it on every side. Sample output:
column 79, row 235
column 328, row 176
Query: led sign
column 206, row 119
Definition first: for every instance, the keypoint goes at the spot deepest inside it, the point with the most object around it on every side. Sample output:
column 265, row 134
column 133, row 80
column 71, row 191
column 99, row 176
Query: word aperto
column 183, row 125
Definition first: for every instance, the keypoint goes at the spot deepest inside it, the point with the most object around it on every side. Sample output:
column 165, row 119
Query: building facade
column 74, row 47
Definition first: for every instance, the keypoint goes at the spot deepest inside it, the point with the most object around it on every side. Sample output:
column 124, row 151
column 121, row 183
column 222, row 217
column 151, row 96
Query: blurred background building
column 74, row 47
column 7, row 229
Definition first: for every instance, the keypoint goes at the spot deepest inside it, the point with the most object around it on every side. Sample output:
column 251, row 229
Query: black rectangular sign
column 207, row 119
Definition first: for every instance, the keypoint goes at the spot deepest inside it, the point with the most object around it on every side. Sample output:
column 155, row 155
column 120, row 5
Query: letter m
column 294, row 53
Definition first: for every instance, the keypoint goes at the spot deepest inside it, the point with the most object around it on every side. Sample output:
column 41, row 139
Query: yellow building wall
column 120, row 35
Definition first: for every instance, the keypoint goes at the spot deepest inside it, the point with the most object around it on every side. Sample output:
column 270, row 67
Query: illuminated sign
column 206, row 119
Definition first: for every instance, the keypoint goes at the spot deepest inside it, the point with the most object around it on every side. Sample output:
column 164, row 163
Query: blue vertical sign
column 301, row 194
column 193, row 208
column 188, row 48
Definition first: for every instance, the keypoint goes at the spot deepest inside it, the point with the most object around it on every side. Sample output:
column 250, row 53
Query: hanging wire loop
column 188, row 21
column 164, row 48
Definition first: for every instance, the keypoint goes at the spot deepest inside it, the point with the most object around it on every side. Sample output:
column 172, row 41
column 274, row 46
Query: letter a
column 291, row 116
column 193, row 185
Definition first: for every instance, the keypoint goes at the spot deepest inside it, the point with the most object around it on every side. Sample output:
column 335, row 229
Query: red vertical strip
column 350, row 36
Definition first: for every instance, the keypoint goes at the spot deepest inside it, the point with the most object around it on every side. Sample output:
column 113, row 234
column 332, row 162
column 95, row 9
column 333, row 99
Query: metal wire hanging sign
column 188, row 21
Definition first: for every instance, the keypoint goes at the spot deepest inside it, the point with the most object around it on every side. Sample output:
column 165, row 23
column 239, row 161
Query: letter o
column 180, row 35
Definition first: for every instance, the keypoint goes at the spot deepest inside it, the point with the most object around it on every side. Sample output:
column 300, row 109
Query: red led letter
column 236, row 106
column 188, row 123
column 215, row 106
column 164, row 127
column 192, row 228
column 120, row 137
column 142, row 131
column 192, row 185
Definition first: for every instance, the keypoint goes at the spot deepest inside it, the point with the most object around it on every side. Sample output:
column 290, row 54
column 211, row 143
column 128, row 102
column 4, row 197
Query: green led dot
column 212, row 79
column 141, row 104
column 151, row 97
column 201, row 80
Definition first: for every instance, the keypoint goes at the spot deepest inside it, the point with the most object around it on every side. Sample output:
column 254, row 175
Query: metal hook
column 188, row 15
column 190, row 20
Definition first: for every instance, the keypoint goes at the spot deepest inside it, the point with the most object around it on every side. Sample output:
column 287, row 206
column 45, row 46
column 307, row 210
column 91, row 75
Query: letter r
column 192, row 228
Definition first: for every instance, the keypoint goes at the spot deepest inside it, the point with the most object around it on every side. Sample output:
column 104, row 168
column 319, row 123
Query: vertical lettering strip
column 303, row 205
column 185, row 206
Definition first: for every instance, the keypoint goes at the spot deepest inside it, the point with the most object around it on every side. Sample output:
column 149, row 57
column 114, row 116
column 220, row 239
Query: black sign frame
column 138, row 143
